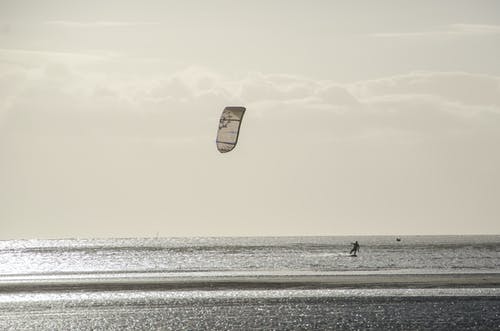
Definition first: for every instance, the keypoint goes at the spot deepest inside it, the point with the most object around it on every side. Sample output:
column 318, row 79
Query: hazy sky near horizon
column 363, row 117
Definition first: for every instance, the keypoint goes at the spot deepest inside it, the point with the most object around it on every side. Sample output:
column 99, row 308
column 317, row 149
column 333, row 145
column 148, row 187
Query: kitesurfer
column 355, row 248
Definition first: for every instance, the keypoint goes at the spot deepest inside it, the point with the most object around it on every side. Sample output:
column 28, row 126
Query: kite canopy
column 229, row 128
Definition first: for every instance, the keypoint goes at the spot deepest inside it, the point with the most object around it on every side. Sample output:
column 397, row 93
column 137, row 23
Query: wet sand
column 311, row 313
column 375, row 281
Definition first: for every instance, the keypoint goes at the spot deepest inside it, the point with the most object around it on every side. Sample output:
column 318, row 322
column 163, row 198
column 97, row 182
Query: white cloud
column 423, row 103
column 335, row 94
column 476, row 29
column 259, row 87
column 458, row 88
column 453, row 30
column 99, row 24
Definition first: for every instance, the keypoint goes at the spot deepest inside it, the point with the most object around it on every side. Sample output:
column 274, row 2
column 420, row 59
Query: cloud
column 259, row 87
column 72, row 96
column 99, row 24
column 335, row 94
column 17, row 60
column 453, row 30
column 455, row 87
column 475, row 29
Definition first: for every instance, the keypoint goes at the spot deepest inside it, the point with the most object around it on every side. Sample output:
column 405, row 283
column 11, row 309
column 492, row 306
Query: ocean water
column 288, row 283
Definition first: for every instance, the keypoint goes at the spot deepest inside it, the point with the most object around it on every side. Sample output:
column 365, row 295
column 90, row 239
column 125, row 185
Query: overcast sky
column 363, row 117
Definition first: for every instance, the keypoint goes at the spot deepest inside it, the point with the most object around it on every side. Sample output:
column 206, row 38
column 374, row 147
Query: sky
column 363, row 118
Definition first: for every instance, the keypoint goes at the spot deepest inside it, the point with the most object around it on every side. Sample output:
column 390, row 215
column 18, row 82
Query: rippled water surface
column 450, row 253
column 30, row 306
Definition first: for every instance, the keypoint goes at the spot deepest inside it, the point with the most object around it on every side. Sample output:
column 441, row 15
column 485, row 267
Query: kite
column 229, row 128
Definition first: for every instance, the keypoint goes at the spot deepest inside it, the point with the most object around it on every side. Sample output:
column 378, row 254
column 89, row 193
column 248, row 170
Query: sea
column 251, row 283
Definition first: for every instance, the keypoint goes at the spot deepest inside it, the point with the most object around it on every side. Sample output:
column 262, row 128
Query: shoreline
column 253, row 282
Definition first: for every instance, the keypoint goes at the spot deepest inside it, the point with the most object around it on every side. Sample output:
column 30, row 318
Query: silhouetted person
column 355, row 248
